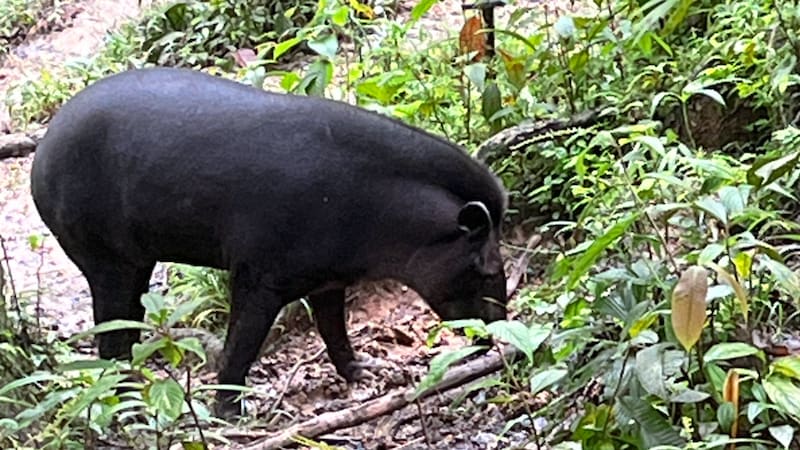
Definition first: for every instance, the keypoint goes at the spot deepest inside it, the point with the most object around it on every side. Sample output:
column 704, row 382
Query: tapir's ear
column 474, row 218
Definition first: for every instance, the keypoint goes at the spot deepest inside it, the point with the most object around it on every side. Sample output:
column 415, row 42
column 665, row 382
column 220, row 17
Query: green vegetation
column 19, row 17
column 670, row 298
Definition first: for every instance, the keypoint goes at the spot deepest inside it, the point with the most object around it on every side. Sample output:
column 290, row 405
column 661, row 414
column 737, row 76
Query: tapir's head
column 461, row 275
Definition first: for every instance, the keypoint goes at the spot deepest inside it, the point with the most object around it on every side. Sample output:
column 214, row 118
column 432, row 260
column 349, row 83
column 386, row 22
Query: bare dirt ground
column 387, row 324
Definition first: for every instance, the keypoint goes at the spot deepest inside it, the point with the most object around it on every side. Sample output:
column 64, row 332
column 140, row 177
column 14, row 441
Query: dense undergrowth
column 669, row 305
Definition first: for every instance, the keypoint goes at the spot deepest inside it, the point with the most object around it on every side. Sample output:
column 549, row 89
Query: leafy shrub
column 19, row 17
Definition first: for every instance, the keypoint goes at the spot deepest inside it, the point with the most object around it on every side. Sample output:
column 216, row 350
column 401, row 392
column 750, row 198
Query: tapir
column 296, row 196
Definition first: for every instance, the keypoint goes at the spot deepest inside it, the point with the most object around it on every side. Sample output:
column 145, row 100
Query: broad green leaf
column 731, row 350
column 193, row 445
column 166, row 396
column 140, row 352
column 766, row 169
column 726, row 415
column 713, row 207
column 192, row 344
column 741, row 295
column 689, row 306
column 421, row 8
column 710, row 254
column 651, row 141
column 153, row 303
column 112, row 325
column 783, row 434
column 439, row 365
column 788, row 366
column 784, row 393
column 519, row 335
column 734, row 198
column 743, row 261
column 326, row 46
column 650, row 371
column 597, row 247
column 491, row 102
column 545, row 379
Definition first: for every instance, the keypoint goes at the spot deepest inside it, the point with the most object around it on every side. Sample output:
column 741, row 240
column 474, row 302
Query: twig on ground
column 356, row 415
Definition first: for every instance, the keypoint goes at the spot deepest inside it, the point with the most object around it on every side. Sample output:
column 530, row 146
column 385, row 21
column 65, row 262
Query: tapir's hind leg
column 254, row 306
column 117, row 287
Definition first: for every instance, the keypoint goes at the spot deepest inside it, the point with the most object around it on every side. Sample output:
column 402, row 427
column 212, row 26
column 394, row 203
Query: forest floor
column 387, row 322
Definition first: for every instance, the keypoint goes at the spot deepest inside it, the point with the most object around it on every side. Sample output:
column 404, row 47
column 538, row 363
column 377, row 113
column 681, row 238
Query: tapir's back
column 187, row 159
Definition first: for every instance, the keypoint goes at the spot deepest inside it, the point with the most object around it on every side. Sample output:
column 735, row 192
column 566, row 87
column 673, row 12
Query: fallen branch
column 20, row 144
column 356, row 415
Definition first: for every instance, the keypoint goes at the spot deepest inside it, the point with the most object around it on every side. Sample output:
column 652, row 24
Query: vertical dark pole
column 488, row 19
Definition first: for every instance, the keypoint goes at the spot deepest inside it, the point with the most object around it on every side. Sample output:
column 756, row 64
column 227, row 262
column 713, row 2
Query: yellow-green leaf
column 689, row 306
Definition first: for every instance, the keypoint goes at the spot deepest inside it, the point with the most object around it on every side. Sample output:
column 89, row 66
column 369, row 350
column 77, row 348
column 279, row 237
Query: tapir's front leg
column 329, row 313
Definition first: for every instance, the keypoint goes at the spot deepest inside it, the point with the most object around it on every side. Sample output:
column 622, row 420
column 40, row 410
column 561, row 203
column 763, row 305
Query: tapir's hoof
column 227, row 408
column 361, row 369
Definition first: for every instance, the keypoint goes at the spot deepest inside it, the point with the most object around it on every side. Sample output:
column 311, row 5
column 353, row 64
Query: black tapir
column 296, row 196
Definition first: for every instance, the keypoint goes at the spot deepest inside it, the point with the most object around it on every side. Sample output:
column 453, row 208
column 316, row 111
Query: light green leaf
column 649, row 370
column 439, row 365
column 783, row 434
column 140, row 352
column 285, row 46
column 713, row 207
column 192, row 344
column 784, row 394
column 476, row 74
column 520, row 336
column 545, row 379
column 326, row 46
column 731, row 350
column 153, row 303
column 166, row 396
column 788, row 366
column 421, row 8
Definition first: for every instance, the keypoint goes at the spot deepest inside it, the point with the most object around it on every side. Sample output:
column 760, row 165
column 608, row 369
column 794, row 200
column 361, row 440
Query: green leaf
column 726, row 415
column 193, row 445
column 598, row 246
column 784, row 394
column 86, row 364
column 520, row 336
column 654, row 428
column 649, row 370
column 689, row 396
column 651, row 141
column 87, row 396
column 565, row 27
column 710, row 254
column 766, row 169
column 326, row 46
column 783, row 434
column 421, row 8
column 786, row 278
column 545, row 379
column 166, row 396
column 285, row 46
column 477, row 75
column 491, row 103
column 182, row 310
column 788, row 366
column 731, row 350
column 112, row 325
column 192, row 344
column 153, row 303
column 30, row 379
column 713, row 207
column 439, row 365
column 176, row 16
column 140, row 352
